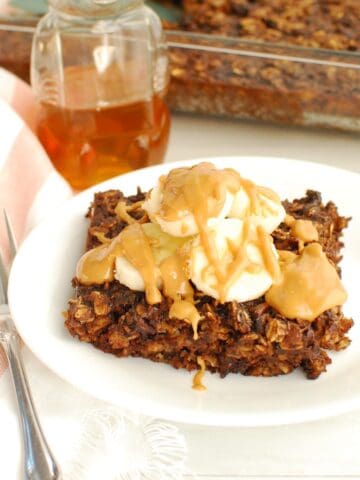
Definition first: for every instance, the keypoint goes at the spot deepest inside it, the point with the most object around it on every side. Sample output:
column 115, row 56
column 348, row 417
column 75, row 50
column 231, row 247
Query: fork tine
column 3, row 282
column 11, row 236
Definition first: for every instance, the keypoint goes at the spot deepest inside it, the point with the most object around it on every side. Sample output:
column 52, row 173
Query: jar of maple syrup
column 100, row 72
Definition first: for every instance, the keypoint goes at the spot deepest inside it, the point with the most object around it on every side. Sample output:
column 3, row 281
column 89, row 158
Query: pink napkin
column 29, row 185
column 4, row 7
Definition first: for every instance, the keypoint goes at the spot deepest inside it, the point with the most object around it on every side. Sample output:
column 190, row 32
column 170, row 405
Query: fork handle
column 39, row 461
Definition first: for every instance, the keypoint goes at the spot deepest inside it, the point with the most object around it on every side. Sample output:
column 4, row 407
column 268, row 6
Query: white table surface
column 319, row 449
column 193, row 137
column 322, row 449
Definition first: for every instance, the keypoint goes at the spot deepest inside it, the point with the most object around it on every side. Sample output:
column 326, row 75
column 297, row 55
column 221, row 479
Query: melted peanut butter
column 136, row 249
column 121, row 211
column 97, row 265
column 181, row 189
column 186, row 310
column 309, row 285
column 285, row 256
column 176, row 283
column 270, row 195
column 201, row 191
column 177, row 286
column 239, row 264
column 198, row 377
column 269, row 259
column 289, row 220
column 252, row 192
column 304, row 230
column 101, row 237
column 256, row 196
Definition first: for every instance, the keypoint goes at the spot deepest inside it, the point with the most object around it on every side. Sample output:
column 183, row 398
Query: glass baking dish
column 225, row 76
column 257, row 80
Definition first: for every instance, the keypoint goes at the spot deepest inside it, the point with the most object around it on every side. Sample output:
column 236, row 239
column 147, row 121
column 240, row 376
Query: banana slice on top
column 162, row 246
column 246, row 276
column 185, row 225
column 268, row 212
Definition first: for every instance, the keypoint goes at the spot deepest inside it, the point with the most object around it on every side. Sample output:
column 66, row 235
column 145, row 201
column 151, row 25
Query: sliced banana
column 127, row 274
column 271, row 212
column 186, row 225
column 162, row 246
column 251, row 283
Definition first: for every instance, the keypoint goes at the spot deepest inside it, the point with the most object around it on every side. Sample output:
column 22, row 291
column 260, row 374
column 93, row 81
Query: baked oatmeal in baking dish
column 287, row 61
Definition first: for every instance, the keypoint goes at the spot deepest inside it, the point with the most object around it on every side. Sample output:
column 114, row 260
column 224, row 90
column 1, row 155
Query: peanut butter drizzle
column 177, row 286
column 201, row 190
column 309, row 285
column 176, row 283
column 285, row 256
column 199, row 375
column 240, row 262
column 269, row 259
column 289, row 220
column 186, row 310
column 183, row 184
column 97, row 265
column 304, row 230
column 252, row 192
column 268, row 193
column 101, row 237
column 136, row 249
column 121, row 211
column 134, row 206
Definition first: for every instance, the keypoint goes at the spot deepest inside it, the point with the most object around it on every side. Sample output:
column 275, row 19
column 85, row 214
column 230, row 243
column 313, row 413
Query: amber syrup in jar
column 99, row 71
column 89, row 146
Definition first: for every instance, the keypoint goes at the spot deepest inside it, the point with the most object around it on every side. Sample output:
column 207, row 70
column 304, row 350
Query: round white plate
column 40, row 288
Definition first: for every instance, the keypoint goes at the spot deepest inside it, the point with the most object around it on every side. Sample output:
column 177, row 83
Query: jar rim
column 93, row 8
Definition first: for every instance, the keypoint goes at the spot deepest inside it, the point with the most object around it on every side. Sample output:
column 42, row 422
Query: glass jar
column 100, row 72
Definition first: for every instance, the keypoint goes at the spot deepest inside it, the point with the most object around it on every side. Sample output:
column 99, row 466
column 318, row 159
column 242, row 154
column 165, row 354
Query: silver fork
column 39, row 463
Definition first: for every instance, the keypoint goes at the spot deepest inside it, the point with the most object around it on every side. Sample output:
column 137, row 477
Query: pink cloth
column 4, row 7
column 27, row 177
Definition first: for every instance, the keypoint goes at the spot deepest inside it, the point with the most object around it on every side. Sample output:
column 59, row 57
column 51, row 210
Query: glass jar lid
column 93, row 8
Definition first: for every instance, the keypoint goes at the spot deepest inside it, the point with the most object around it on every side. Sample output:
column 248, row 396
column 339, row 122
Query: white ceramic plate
column 40, row 287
